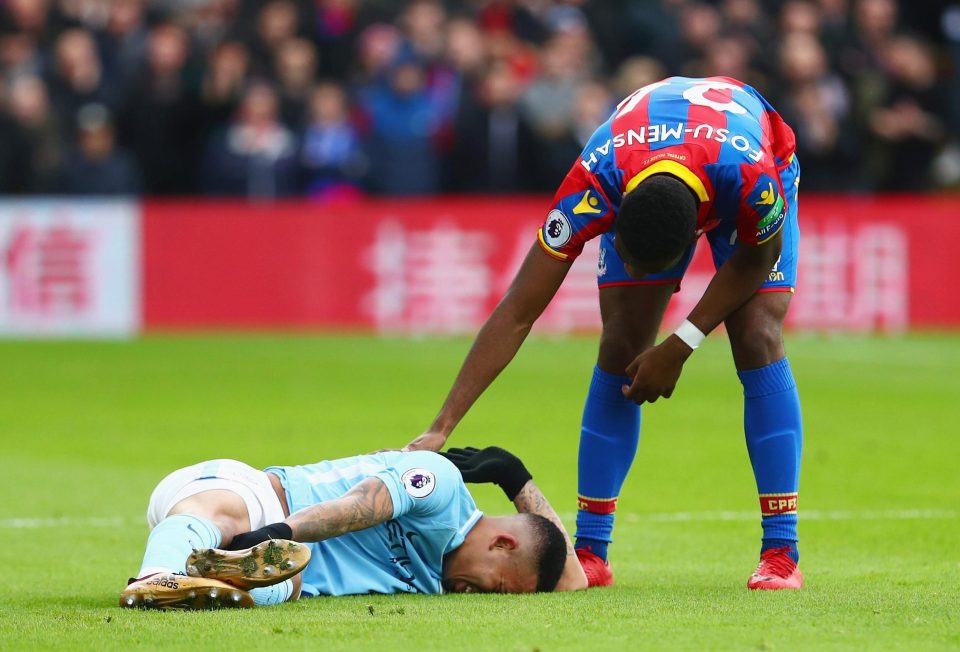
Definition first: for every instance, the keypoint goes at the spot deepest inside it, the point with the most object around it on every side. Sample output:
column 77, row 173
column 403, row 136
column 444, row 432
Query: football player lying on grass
column 388, row 522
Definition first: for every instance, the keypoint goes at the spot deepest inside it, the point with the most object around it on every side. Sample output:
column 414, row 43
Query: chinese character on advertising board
column 436, row 280
column 48, row 271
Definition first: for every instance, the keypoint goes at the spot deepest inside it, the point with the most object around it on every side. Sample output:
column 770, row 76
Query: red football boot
column 775, row 571
column 596, row 569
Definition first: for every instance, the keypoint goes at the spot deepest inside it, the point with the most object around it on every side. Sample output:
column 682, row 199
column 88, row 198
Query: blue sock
column 172, row 541
column 774, row 430
column 609, row 435
column 275, row 594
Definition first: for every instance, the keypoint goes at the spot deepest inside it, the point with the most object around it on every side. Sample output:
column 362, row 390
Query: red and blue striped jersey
column 716, row 134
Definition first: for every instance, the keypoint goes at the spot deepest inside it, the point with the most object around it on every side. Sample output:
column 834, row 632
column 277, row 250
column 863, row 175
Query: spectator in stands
column 947, row 166
column 523, row 57
column 874, row 21
column 860, row 59
column 161, row 120
column 800, row 16
column 403, row 121
column 78, row 77
column 19, row 55
column 96, row 166
column 815, row 20
column 636, row 72
column 336, row 24
column 125, row 37
column 517, row 18
column 295, row 71
column 467, row 55
column 651, row 30
column 255, row 156
column 14, row 150
column 950, row 24
column 377, row 48
column 592, row 106
column 908, row 125
column 40, row 135
column 210, row 23
column 277, row 23
column 423, row 24
column 331, row 156
column 834, row 25
column 548, row 100
column 224, row 83
column 746, row 20
column 700, row 25
column 495, row 149
column 569, row 29
column 174, row 72
column 729, row 56
column 816, row 104
column 32, row 19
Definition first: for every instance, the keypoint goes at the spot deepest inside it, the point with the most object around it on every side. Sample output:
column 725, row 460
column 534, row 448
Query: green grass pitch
column 88, row 428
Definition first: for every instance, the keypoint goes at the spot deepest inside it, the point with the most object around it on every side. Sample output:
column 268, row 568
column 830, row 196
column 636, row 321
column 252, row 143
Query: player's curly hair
column 549, row 551
column 657, row 220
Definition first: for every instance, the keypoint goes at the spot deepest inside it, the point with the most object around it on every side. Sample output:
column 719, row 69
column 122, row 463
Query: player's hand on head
column 428, row 441
column 490, row 465
column 655, row 372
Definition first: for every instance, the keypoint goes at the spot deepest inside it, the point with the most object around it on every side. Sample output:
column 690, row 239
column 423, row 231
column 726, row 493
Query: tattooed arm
column 531, row 500
column 367, row 504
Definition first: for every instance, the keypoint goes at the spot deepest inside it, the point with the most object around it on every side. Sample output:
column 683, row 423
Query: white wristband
column 690, row 334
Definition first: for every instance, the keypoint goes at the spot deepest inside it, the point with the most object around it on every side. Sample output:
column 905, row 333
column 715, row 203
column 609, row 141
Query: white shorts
column 263, row 506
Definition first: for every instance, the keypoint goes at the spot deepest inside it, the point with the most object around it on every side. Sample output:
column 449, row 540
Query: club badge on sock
column 774, row 504
column 597, row 505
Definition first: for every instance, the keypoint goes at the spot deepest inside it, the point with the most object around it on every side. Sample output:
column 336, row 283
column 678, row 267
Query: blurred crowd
column 335, row 98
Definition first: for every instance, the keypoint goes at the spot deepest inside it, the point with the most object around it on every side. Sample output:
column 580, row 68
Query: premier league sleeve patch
column 418, row 483
column 557, row 229
column 576, row 217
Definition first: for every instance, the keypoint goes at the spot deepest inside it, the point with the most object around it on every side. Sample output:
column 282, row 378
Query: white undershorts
column 263, row 506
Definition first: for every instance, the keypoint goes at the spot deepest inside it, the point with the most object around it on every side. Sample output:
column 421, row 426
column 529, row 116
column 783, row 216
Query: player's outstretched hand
column 491, row 464
column 428, row 441
column 655, row 372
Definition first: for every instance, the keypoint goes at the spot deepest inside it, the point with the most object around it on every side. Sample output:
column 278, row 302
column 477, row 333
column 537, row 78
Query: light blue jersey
column 432, row 513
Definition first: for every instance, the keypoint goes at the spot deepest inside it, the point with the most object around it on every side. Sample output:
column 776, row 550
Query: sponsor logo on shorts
column 775, row 274
column 557, row 231
column 419, row 483
column 773, row 504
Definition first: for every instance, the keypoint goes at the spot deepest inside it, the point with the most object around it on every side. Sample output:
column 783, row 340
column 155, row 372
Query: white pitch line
column 805, row 515
column 63, row 521
column 661, row 517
